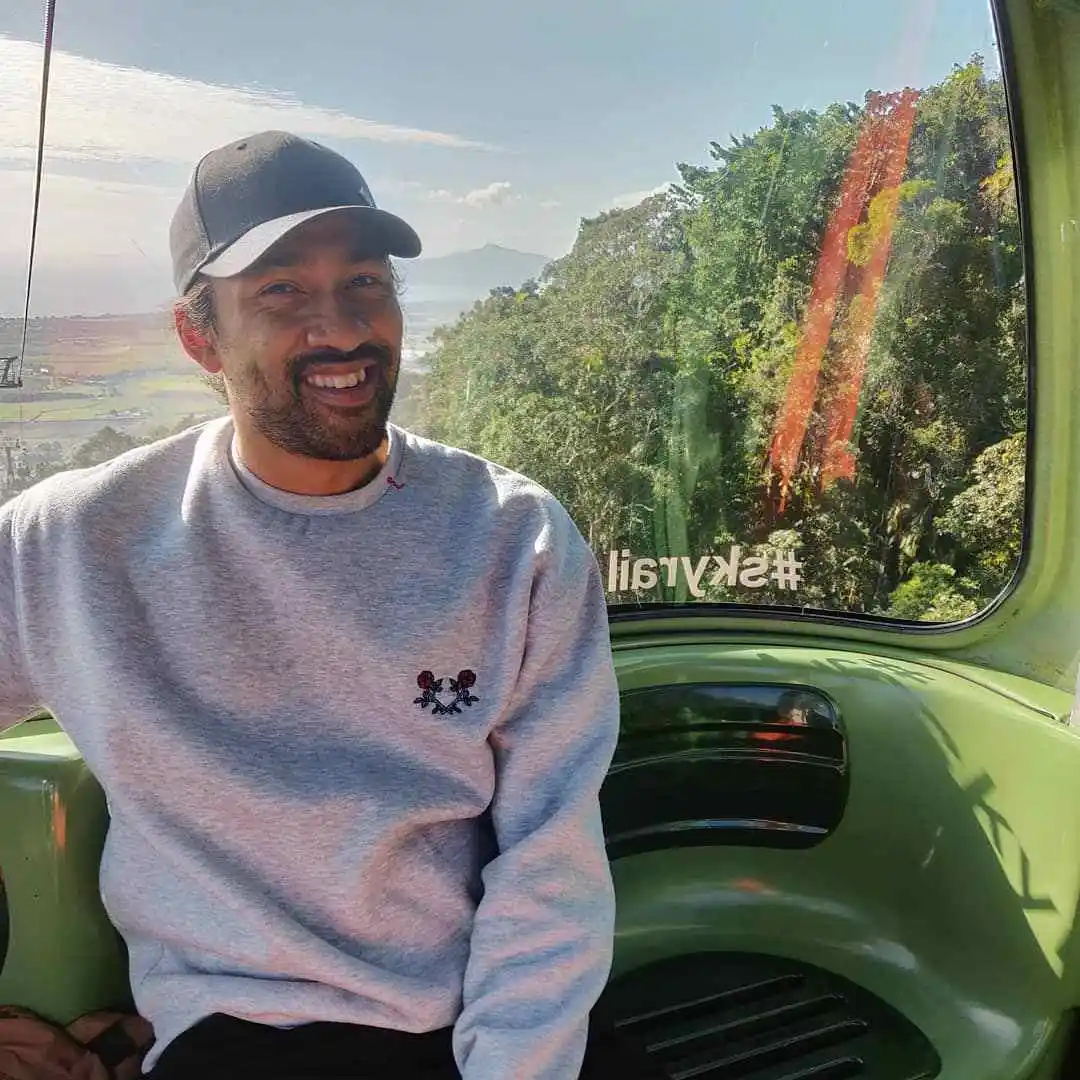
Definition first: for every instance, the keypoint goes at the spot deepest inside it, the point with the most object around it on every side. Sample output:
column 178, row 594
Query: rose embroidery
column 431, row 689
column 462, row 685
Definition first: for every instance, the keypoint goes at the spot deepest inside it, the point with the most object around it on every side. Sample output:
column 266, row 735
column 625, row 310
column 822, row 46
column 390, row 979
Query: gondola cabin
column 782, row 300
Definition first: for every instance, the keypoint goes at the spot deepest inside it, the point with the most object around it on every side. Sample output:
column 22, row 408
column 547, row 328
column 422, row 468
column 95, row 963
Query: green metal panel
column 64, row 957
column 951, row 887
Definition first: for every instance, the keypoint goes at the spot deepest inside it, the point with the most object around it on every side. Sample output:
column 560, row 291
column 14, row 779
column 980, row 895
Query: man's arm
column 17, row 697
column 542, row 941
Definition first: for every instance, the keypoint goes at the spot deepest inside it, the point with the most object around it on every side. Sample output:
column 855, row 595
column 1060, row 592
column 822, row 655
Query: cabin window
column 742, row 284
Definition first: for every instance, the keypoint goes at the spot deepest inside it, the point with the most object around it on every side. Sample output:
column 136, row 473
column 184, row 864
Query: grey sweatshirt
column 351, row 746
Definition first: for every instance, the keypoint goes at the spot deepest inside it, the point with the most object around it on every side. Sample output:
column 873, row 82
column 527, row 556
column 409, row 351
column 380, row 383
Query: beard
column 290, row 420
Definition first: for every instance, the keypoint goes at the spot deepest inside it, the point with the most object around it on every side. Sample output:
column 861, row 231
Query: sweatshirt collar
column 291, row 502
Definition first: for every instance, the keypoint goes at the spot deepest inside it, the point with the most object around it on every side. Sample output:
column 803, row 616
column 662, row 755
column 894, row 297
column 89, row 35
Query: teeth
column 338, row 382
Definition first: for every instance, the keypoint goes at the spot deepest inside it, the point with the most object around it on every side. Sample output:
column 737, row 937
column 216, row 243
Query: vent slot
column 762, row 1023
column 747, row 1016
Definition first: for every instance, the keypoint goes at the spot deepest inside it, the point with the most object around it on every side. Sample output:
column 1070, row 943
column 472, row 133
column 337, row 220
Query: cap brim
column 388, row 235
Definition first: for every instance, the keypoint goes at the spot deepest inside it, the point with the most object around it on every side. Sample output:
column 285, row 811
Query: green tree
column 648, row 378
column 101, row 447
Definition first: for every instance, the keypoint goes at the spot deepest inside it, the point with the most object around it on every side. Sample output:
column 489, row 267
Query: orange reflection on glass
column 848, row 278
column 774, row 737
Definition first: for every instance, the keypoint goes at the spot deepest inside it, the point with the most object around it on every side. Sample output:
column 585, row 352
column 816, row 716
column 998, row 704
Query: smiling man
column 349, row 691
column 296, row 309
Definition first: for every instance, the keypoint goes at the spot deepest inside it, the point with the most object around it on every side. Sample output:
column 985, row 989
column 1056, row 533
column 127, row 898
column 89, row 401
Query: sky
column 478, row 121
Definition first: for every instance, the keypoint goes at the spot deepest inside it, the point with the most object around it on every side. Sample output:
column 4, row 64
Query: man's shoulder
column 463, row 474
column 128, row 480
column 502, row 500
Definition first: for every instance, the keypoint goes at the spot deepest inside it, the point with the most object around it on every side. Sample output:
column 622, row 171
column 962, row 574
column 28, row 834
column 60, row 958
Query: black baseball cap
column 244, row 197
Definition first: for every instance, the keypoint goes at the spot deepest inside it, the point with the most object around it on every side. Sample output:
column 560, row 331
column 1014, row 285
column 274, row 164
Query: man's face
column 309, row 342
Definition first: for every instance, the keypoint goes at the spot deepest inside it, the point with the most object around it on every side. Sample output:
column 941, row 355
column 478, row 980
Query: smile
column 338, row 382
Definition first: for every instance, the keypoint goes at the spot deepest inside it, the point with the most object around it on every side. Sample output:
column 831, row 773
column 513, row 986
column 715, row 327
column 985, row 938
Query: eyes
column 369, row 284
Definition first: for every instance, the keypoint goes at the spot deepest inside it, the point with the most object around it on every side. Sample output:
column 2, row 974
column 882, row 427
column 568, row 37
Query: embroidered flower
column 433, row 687
column 460, row 686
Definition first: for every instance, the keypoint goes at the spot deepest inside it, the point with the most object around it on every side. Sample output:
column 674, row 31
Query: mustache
column 370, row 350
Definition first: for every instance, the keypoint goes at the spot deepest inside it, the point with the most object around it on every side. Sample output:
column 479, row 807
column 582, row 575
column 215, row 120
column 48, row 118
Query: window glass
column 742, row 284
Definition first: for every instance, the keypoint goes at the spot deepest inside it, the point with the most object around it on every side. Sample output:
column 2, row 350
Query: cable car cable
column 11, row 367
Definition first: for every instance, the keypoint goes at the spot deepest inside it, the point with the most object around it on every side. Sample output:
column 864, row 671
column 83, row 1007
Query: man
column 349, row 692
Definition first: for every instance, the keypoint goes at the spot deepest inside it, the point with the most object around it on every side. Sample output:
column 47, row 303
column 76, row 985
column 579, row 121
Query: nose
column 333, row 324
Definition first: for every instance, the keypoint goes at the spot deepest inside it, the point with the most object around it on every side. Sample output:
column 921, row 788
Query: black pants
column 224, row 1048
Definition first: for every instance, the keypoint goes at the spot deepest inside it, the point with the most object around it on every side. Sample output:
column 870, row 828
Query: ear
column 202, row 348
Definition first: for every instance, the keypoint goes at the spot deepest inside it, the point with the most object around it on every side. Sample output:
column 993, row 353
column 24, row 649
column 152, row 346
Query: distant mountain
column 466, row 276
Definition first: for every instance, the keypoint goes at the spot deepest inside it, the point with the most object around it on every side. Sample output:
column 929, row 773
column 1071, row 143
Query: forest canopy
column 814, row 343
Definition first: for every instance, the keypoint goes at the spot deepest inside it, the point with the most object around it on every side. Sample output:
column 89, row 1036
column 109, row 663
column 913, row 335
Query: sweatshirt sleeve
column 543, row 936
column 17, row 697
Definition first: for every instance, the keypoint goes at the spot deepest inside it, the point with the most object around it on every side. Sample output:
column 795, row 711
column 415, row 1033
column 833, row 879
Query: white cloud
column 101, row 112
column 623, row 202
column 494, row 194
column 551, row 204
column 120, row 144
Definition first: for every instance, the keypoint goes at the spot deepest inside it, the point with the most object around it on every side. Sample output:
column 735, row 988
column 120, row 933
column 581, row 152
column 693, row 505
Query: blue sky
column 493, row 122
